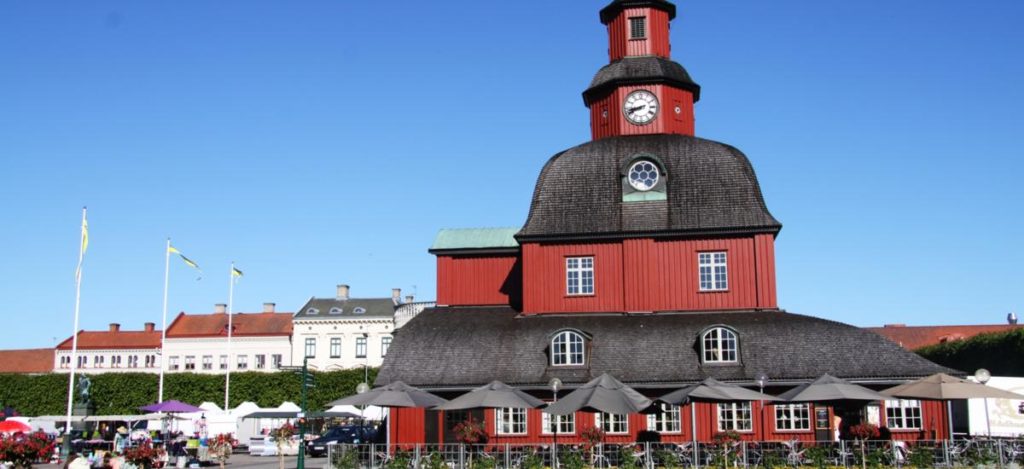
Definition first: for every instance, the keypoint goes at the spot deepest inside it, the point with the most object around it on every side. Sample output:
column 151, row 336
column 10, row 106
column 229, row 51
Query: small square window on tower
column 638, row 27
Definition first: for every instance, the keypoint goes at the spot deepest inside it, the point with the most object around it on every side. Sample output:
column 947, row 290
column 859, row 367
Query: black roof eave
column 473, row 251
column 596, row 92
column 613, row 9
column 719, row 232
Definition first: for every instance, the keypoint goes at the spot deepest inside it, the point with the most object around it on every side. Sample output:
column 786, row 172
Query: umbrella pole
column 693, row 430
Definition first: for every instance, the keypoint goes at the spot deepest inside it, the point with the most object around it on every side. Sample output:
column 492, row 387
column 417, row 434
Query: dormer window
column 719, row 345
column 359, row 310
column 567, row 349
column 638, row 27
column 312, row 311
column 336, row 310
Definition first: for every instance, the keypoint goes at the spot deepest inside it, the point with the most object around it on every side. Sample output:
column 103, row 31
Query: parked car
column 341, row 435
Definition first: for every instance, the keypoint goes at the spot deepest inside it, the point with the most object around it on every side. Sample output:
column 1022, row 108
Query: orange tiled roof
column 244, row 325
column 114, row 340
column 915, row 337
column 37, row 360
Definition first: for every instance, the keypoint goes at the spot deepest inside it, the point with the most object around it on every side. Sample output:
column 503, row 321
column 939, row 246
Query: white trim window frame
column 335, row 347
column 579, row 276
column 310, row 347
column 792, row 417
column 567, row 349
column 713, row 268
column 612, row 424
column 360, row 347
column 669, row 420
column 223, row 364
column 207, row 362
column 172, row 362
column 509, row 421
column 385, row 344
column 903, row 414
column 736, row 416
column 243, row 362
column 720, row 345
column 566, row 424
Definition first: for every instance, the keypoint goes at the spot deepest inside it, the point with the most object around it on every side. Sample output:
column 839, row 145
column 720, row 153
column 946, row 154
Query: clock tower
column 641, row 91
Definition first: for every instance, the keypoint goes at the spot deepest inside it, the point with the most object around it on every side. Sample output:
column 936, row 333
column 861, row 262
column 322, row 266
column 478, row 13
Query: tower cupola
column 641, row 91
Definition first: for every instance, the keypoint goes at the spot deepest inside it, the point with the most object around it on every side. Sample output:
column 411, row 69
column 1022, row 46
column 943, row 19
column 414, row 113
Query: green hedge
column 998, row 352
column 124, row 393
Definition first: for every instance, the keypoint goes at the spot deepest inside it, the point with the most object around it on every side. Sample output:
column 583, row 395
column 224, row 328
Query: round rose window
column 643, row 175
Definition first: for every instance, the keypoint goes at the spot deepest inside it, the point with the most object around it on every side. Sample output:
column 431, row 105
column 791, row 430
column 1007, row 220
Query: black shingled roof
column 463, row 347
column 639, row 71
column 372, row 308
column 712, row 189
column 609, row 12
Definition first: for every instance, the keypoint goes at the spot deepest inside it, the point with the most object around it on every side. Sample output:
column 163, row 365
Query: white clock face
column 640, row 107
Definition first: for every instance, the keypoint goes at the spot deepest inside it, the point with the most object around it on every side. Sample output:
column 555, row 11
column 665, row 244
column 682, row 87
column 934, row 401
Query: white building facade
column 342, row 332
column 111, row 351
column 198, row 343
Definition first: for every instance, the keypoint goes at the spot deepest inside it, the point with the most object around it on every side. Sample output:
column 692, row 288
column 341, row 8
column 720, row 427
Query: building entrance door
column 822, row 424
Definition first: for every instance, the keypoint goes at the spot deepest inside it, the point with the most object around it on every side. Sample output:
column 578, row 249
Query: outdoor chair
column 685, row 454
column 794, row 454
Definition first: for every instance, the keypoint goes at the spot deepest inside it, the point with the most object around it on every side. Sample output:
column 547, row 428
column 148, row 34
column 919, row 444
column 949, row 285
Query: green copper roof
column 475, row 238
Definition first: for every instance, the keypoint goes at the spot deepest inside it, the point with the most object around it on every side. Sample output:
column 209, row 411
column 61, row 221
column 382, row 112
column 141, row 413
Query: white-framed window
column 903, row 413
column 97, row 361
column 115, row 361
column 310, row 347
column 133, row 361
column 735, row 416
column 150, row 361
column 190, row 362
column 223, row 362
column 360, row 347
column 64, row 361
column 612, row 423
column 83, row 361
column 637, row 27
column 669, row 420
column 510, row 421
column 207, row 362
column 261, row 361
column 719, row 345
column 243, row 362
column 579, row 275
column 567, row 349
column 385, row 344
column 792, row 417
column 275, row 360
column 335, row 347
column 714, row 271
column 172, row 363
column 566, row 424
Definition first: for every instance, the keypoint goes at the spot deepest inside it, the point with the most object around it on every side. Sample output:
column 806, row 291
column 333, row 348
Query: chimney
column 149, row 327
column 1012, row 319
column 396, row 295
column 269, row 307
column 342, row 292
column 408, row 298
column 220, row 308
column 115, row 327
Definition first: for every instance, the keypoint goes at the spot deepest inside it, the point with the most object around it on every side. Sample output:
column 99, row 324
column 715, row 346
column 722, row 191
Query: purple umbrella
column 171, row 406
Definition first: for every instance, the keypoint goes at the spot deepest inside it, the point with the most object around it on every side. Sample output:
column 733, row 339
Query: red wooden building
column 648, row 253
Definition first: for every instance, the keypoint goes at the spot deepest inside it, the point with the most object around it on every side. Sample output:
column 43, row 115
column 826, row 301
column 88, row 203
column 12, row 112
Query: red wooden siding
column 934, row 423
column 656, row 42
column 544, row 266
column 667, row 122
column 651, row 275
column 408, row 426
column 478, row 280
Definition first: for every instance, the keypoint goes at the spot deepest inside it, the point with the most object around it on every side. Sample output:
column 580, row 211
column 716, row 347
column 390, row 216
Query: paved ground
column 255, row 462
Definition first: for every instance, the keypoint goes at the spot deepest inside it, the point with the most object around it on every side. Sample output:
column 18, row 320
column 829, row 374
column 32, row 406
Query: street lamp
column 982, row 375
column 555, row 385
column 361, row 389
column 761, row 379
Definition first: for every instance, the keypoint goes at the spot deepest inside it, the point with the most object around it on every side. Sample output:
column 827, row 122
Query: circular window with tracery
column 643, row 175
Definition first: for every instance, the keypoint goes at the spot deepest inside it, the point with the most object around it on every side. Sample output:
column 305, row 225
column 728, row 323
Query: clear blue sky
column 325, row 142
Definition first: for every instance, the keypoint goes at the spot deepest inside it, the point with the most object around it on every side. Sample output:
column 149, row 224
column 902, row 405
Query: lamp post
column 762, row 379
column 982, row 375
column 555, row 385
column 361, row 389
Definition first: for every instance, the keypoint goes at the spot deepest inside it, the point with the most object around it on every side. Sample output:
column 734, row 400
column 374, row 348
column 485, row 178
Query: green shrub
column 571, row 460
column 668, row 459
column 433, row 461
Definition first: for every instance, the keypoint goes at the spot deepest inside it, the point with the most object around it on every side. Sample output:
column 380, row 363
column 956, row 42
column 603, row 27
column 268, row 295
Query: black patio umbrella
column 711, row 390
column 602, row 394
column 492, row 396
column 828, row 388
column 396, row 394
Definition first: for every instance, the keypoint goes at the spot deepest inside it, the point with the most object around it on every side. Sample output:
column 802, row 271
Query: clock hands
column 635, row 109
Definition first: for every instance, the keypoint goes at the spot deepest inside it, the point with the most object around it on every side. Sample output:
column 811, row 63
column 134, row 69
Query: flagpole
column 74, row 333
column 231, row 297
column 163, row 327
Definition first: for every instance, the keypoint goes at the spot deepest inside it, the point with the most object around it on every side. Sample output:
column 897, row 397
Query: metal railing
column 746, row 454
